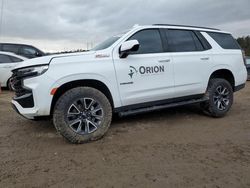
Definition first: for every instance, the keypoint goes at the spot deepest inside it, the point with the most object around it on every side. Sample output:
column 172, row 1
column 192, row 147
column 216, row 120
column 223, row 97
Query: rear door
column 191, row 61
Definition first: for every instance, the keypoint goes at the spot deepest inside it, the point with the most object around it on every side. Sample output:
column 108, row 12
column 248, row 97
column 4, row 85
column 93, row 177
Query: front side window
column 28, row 51
column 149, row 40
column 183, row 41
column 5, row 59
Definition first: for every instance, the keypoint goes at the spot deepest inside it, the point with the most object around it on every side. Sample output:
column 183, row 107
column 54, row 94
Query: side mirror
column 127, row 47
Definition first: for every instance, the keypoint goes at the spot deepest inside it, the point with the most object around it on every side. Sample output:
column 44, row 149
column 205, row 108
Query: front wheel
column 220, row 94
column 82, row 114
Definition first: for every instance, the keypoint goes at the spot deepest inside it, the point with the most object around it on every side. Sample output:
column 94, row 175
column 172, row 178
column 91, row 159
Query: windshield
column 107, row 43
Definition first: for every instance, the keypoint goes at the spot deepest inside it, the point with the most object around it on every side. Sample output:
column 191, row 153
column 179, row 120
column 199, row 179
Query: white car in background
column 8, row 61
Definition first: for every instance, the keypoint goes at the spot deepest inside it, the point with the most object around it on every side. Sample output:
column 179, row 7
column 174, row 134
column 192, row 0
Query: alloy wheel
column 84, row 116
column 221, row 97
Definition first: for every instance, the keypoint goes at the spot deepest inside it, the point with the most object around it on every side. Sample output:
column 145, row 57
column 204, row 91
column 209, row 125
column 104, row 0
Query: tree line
column 244, row 42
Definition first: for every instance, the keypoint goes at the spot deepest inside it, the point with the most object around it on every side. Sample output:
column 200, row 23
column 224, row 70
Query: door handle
column 164, row 61
column 205, row 58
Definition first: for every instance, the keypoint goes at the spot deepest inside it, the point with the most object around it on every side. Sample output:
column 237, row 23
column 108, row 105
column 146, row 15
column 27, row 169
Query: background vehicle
column 148, row 68
column 8, row 61
column 27, row 51
column 248, row 67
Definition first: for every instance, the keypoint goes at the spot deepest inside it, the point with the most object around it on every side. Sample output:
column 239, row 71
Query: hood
column 45, row 60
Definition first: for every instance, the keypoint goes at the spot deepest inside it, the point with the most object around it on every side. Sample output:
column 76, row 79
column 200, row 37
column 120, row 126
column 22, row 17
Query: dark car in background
column 27, row 51
column 248, row 67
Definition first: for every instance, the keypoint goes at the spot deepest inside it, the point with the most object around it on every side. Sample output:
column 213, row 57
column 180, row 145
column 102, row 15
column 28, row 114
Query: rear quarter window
column 5, row 59
column 226, row 41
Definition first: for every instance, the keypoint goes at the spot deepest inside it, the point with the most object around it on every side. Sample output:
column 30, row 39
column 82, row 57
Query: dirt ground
column 177, row 147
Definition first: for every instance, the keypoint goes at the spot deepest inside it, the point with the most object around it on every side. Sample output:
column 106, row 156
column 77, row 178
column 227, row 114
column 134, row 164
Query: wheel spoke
column 79, row 128
column 77, row 122
column 218, row 105
column 224, row 91
column 90, row 123
column 73, row 107
column 87, row 106
column 95, row 110
column 98, row 117
column 219, row 89
column 226, row 101
column 86, row 130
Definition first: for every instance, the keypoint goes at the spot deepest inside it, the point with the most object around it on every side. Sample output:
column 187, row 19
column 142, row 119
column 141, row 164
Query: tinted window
column 5, row 59
column 183, row 41
column 203, row 41
column 15, row 59
column 197, row 42
column 149, row 40
column 10, row 48
column 28, row 51
column 226, row 41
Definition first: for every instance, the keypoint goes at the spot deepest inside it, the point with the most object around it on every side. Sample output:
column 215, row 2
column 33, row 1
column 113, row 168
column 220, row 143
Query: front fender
column 86, row 76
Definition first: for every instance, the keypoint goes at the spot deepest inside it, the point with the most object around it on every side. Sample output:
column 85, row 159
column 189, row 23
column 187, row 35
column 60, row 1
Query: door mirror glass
column 127, row 47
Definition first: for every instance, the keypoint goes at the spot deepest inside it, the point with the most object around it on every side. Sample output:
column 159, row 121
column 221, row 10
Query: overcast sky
column 54, row 25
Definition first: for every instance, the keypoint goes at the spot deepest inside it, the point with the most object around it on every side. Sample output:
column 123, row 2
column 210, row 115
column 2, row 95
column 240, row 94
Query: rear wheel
column 82, row 114
column 220, row 95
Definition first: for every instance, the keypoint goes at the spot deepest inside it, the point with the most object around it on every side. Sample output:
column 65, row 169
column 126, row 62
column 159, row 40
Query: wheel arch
column 78, row 83
column 225, row 74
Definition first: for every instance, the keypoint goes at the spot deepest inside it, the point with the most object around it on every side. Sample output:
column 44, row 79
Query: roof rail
column 187, row 26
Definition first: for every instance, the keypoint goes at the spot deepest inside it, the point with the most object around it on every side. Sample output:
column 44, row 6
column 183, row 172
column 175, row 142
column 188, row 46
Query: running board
column 160, row 107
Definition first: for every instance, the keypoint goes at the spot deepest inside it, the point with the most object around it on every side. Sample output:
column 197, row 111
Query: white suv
column 147, row 68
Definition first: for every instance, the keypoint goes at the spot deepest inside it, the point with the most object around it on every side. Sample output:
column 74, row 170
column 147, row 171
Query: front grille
column 17, row 83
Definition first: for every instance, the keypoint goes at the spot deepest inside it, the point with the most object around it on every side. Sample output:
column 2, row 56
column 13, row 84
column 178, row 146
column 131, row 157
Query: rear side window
column 226, row 41
column 149, row 40
column 183, row 41
column 10, row 48
column 5, row 59
column 15, row 59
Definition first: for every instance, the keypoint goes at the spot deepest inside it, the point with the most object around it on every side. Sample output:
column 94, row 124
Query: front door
column 145, row 75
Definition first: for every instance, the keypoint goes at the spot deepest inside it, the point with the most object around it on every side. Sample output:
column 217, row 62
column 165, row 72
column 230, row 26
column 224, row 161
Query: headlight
column 33, row 71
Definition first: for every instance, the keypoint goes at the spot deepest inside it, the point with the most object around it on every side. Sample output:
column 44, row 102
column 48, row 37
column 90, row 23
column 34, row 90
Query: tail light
column 244, row 57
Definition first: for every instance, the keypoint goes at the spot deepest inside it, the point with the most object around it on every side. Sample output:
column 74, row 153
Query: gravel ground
column 177, row 147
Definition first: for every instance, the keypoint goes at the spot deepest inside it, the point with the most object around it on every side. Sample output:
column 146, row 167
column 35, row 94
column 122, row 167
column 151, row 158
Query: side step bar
column 160, row 107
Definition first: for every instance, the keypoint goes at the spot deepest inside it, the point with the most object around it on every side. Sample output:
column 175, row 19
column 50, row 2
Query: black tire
column 72, row 107
column 218, row 104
